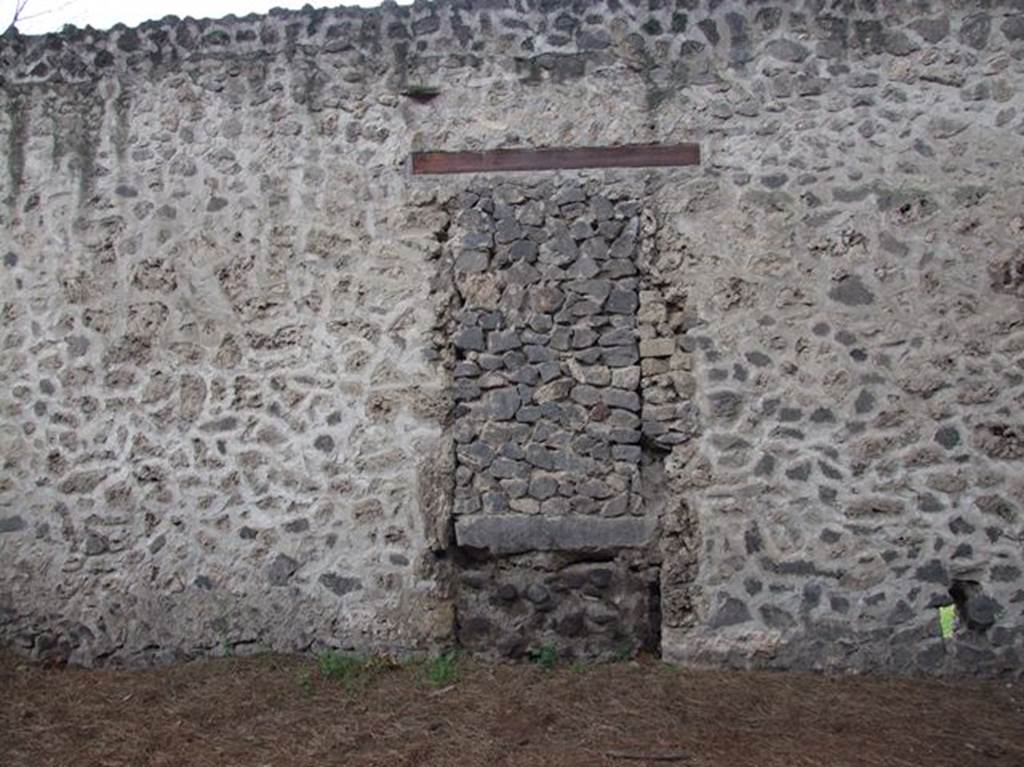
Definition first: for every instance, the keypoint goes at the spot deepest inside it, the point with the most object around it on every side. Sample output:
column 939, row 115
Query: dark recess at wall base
column 580, row 607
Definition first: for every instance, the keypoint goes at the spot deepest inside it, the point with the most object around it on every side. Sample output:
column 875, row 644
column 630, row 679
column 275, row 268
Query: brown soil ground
column 279, row 711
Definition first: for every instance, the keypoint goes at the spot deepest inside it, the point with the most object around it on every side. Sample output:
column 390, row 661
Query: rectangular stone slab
column 494, row 160
column 514, row 534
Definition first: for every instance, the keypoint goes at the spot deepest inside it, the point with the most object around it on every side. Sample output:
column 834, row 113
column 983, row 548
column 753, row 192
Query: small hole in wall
column 962, row 591
column 975, row 610
column 650, row 446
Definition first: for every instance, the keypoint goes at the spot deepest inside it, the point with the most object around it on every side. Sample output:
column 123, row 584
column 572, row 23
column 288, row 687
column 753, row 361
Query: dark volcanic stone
column 948, row 437
column 12, row 524
column 281, row 570
column 340, row 584
column 324, row 443
column 852, row 292
column 731, row 613
column 725, row 404
column 974, row 30
column 502, row 404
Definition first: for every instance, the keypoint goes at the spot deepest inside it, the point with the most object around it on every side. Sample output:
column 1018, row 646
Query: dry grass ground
column 281, row 711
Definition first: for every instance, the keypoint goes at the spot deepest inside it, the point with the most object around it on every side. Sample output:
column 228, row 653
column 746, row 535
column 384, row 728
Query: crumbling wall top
column 640, row 30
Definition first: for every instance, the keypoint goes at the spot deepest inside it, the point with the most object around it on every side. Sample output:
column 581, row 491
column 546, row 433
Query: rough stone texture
column 516, row 606
column 228, row 312
column 548, row 421
column 221, row 418
column 544, row 400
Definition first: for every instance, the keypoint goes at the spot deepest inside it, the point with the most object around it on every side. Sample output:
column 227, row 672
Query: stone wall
column 547, row 424
column 244, row 403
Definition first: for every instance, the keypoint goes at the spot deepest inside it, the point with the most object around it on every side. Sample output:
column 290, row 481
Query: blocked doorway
column 570, row 390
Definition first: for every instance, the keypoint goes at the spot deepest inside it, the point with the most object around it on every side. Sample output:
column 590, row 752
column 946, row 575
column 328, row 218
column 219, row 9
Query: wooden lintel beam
column 497, row 160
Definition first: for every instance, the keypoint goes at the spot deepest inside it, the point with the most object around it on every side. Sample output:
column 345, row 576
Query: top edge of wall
column 521, row 29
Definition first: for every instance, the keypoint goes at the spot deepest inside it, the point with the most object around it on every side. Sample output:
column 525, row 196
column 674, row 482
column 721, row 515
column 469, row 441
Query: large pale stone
column 509, row 534
column 657, row 347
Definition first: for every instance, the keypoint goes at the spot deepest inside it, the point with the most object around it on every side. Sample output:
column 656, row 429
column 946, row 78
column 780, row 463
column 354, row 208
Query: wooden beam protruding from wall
column 498, row 160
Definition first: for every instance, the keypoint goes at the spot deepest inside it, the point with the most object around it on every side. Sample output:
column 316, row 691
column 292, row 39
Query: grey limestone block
column 509, row 534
